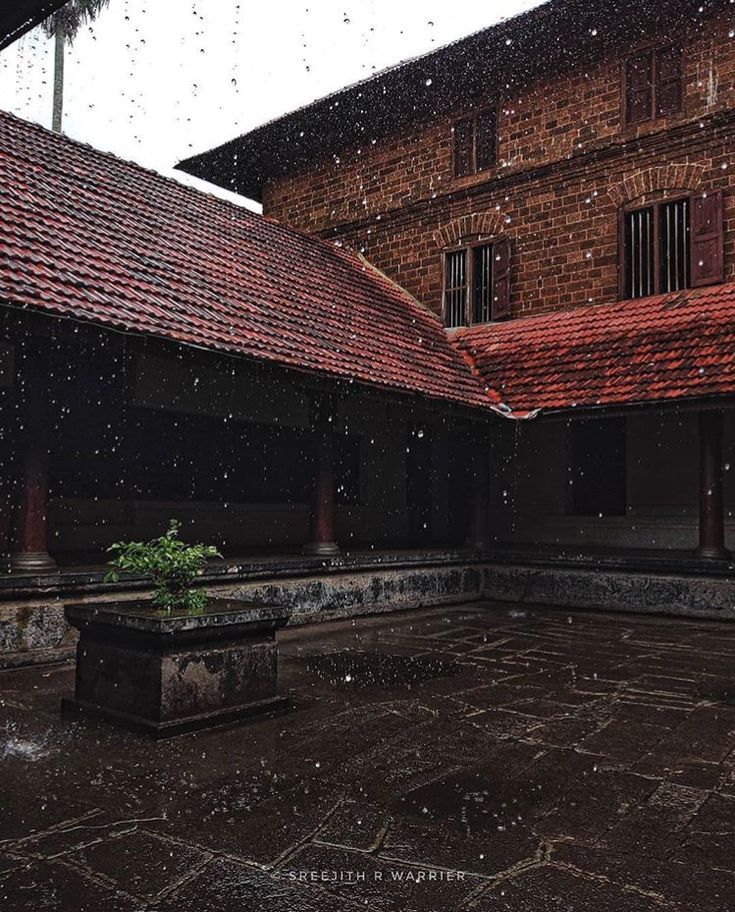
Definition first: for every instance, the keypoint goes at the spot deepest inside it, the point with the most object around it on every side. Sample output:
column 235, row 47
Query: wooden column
column 711, row 505
column 322, row 541
column 30, row 549
column 478, row 531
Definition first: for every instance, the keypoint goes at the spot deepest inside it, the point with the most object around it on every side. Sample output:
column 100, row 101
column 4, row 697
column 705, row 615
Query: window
column 477, row 283
column 671, row 245
column 597, row 474
column 653, row 84
column 474, row 143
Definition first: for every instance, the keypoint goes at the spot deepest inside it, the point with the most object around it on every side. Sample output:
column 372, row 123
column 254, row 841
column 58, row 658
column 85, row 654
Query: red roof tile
column 86, row 235
column 668, row 347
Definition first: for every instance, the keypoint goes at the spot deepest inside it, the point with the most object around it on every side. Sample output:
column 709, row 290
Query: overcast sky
column 157, row 80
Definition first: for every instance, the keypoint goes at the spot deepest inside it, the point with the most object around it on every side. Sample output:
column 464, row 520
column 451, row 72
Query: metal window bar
column 674, row 245
column 455, row 288
column 639, row 253
column 482, row 310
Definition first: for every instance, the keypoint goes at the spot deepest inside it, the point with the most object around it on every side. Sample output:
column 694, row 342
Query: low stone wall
column 369, row 592
column 33, row 628
column 612, row 590
column 34, row 631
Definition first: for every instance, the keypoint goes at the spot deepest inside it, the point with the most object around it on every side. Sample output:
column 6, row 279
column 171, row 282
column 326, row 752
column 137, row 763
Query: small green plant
column 170, row 563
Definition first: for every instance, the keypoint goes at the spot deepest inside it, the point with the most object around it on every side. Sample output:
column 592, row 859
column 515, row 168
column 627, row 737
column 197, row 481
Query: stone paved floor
column 469, row 759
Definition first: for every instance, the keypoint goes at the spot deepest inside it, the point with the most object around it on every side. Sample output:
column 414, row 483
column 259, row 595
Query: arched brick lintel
column 479, row 224
column 679, row 176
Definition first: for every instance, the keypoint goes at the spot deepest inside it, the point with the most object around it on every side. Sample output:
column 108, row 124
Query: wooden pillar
column 711, row 504
column 478, row 532
column 322, row 541
column 30, row 549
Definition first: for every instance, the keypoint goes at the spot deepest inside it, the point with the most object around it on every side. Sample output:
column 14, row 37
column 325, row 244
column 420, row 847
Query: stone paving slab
column 474, row 758
column 550, row 887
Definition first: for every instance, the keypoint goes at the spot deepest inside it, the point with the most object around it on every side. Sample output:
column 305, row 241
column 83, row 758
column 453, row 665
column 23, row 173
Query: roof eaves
column 506, row 55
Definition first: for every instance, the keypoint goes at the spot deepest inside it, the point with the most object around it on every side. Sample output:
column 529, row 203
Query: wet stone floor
column 478, row 758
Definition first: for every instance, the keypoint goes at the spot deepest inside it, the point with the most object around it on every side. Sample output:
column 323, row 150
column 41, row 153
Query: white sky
column 157, row 80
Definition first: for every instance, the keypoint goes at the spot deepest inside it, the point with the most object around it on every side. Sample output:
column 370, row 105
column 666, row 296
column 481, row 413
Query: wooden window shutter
column 706, row 241
column 464, row 141
column 668, row 81
column 501, row 279
column 622, row 257
column 639, row 88
column 486, row 140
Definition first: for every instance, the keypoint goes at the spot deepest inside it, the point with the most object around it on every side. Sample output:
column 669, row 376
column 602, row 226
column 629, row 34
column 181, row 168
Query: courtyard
column 480, row 757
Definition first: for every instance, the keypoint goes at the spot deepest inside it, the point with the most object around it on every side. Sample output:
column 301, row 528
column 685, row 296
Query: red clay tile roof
column 655, row 349
column 86, row 235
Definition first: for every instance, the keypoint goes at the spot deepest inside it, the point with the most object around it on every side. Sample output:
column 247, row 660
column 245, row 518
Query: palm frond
column 71, row 17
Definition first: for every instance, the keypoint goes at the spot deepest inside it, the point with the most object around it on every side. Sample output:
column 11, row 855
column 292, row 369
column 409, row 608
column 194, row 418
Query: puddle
column 379, row 669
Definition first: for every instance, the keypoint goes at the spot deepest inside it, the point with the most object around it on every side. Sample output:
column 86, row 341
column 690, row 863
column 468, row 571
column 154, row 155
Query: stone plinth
column 168, row 673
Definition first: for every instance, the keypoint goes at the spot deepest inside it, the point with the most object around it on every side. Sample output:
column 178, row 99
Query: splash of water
column 29, row 749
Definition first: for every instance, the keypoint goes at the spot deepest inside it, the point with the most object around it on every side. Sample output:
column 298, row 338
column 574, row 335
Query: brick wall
column 566, row 162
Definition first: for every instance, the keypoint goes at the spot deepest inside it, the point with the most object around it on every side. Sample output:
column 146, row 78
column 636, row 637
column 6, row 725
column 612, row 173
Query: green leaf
column 169, row 563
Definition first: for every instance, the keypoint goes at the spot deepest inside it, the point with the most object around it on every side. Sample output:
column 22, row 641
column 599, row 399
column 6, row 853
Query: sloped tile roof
column 663, row 348
column 492, row 64
column 86, row 235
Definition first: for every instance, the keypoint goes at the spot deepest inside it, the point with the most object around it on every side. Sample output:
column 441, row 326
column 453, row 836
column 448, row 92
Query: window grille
column 639, row 253
column 477, row 283
column 673, row 235
column 455, row 288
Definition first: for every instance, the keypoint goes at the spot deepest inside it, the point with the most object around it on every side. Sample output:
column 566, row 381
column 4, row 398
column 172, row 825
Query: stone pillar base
column 322, row 549
column 713, row 553
column 32, row 562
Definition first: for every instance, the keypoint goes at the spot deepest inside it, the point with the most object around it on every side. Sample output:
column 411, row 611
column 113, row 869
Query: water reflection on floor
column 473, row 758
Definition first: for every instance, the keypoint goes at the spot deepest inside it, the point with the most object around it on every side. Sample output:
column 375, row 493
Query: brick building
column 482, row 346
column 538, row 185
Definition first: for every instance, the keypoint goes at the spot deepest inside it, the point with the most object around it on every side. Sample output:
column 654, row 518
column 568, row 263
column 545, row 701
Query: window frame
column 468, row 248
column 655, row 51
column 655, row 206
column 474, row 118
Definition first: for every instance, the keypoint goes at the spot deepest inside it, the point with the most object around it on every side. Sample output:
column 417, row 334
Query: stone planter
column 169, row 673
